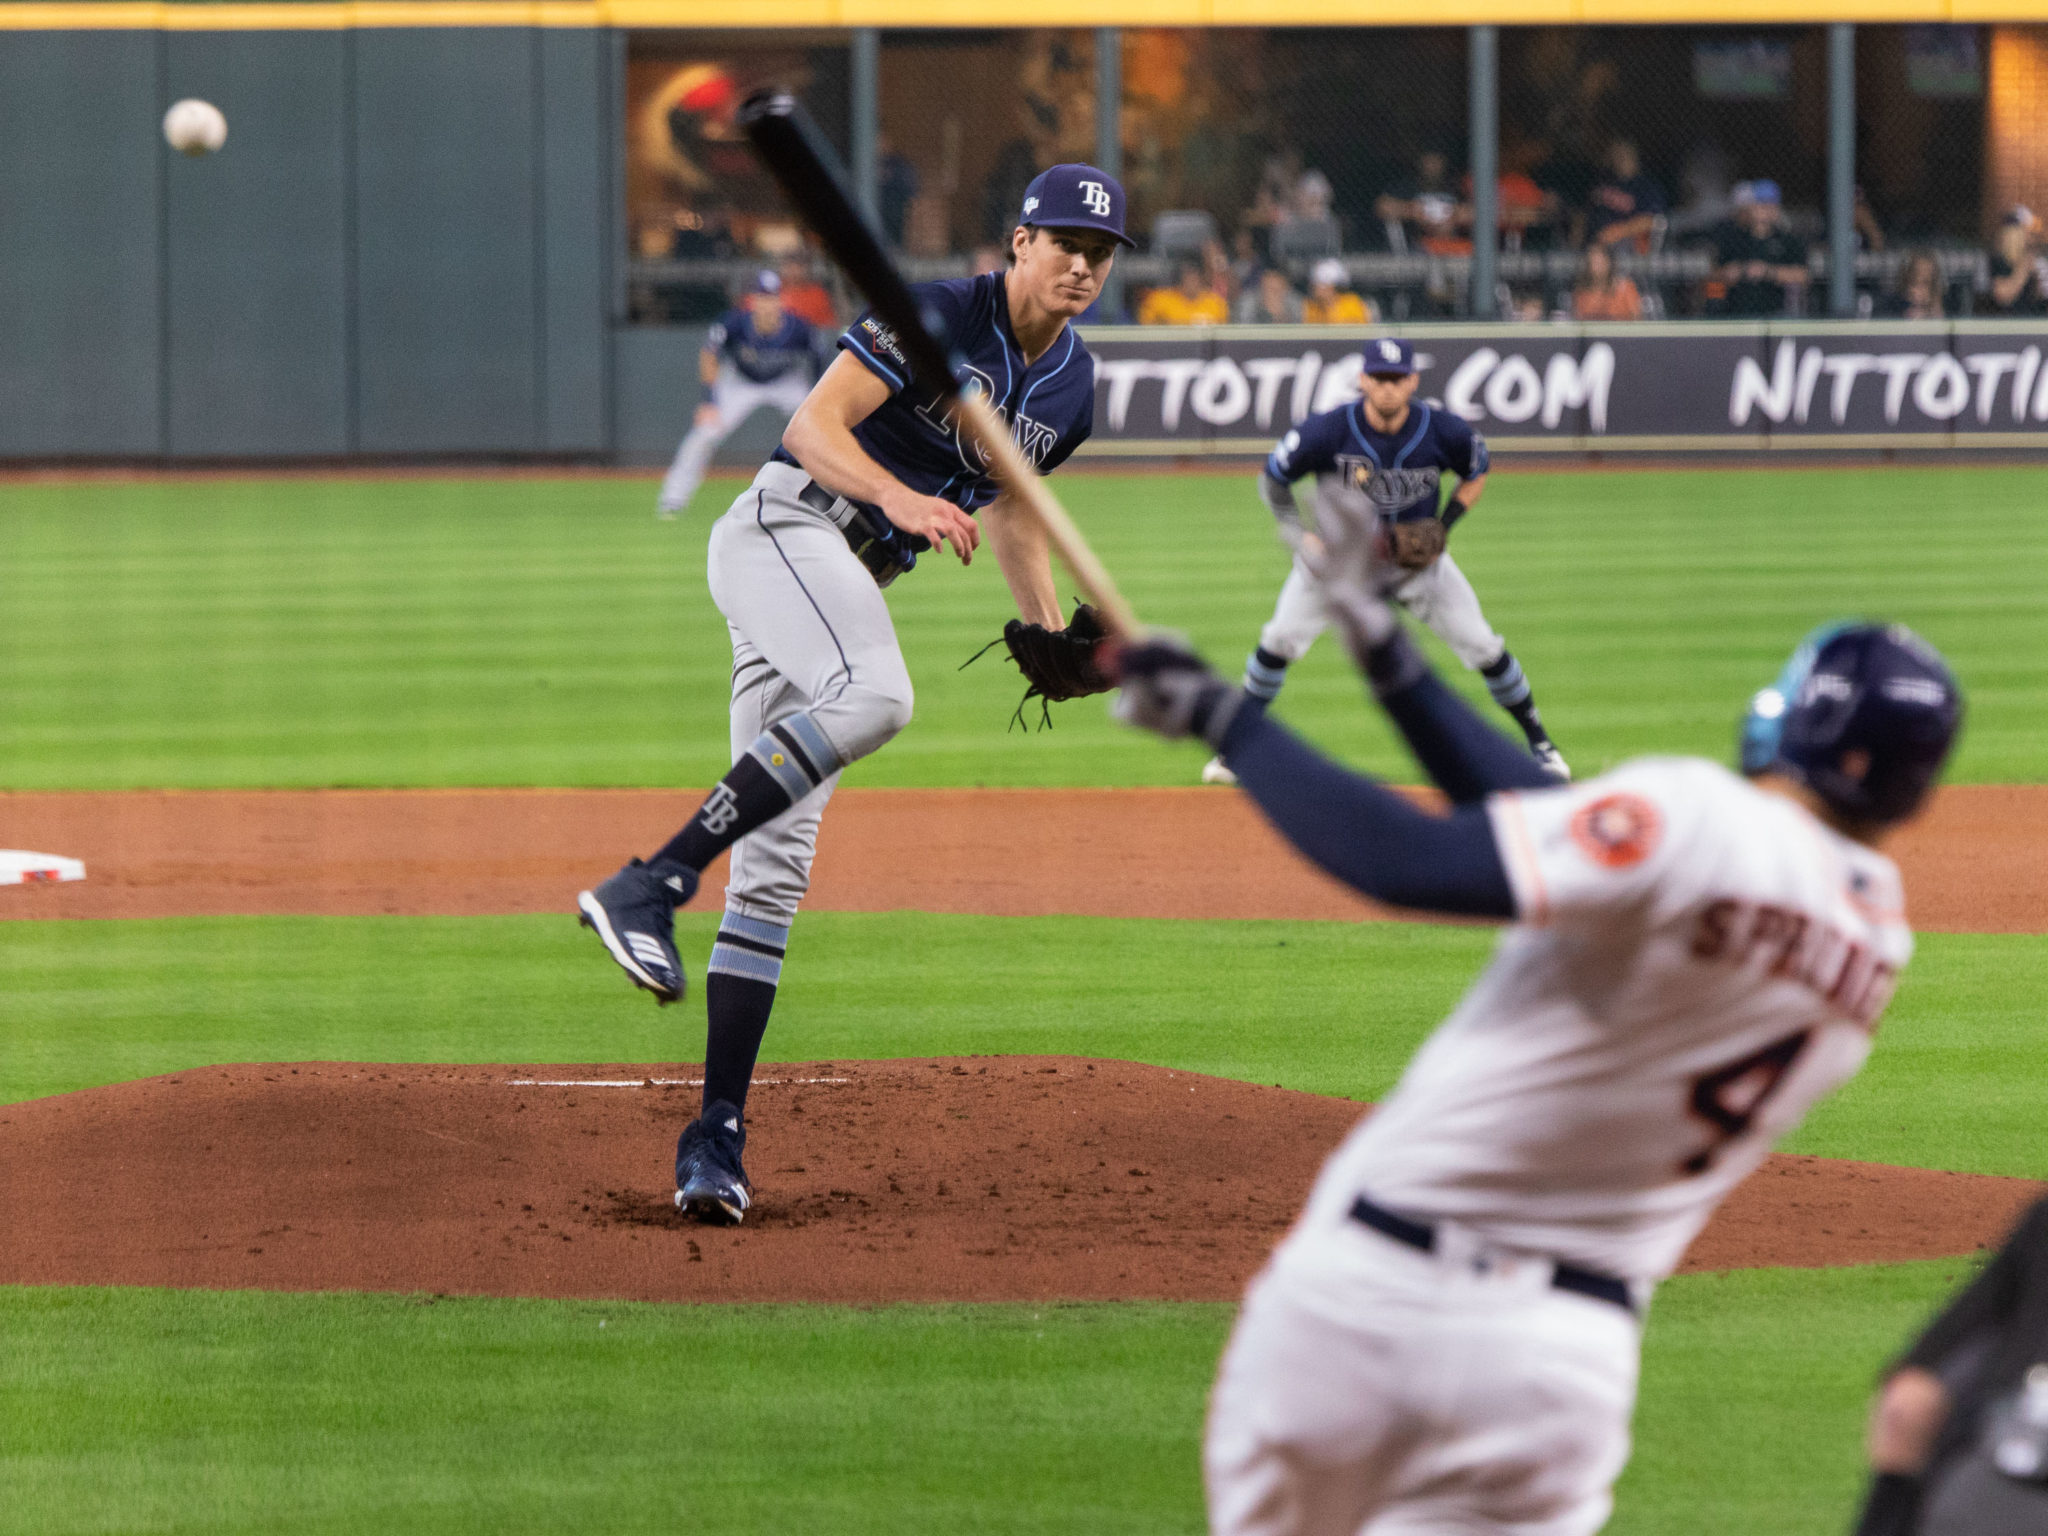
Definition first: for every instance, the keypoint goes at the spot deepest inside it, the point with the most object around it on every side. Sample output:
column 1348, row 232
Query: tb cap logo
column 1095, row 197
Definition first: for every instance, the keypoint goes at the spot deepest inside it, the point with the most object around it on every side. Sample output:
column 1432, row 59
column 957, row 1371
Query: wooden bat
column 790, row 145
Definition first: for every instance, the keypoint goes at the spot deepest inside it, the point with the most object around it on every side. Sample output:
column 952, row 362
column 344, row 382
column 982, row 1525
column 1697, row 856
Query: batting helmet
column 1864, row 715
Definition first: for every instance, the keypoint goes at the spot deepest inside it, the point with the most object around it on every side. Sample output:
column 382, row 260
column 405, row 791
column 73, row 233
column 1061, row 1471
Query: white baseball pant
column 1440, row 595
column 1372, row 1389
column 734, row 397
column 811, row 636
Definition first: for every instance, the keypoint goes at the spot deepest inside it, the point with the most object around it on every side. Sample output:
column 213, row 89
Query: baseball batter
column 869, row 474
column 1391, row 452
column 760, row 354
column 1447, row 1339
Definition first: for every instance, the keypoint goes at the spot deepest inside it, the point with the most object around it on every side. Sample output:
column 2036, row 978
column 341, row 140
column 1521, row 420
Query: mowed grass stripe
column 533, row 631
column 1333, row 1008
column 197, row 1411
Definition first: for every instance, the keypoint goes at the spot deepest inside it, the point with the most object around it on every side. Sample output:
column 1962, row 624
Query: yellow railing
column 325, row 15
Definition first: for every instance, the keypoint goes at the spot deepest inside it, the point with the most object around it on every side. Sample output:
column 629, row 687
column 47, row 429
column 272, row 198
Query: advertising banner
column 1645, row 388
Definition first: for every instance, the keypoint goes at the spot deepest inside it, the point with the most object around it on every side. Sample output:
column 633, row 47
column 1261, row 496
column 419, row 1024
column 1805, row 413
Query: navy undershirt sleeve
column 1464, row 756
column 1363, row 833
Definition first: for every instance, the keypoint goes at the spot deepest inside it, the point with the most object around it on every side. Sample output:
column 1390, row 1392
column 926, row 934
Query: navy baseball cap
column 1389, row 354
column 1076, row 197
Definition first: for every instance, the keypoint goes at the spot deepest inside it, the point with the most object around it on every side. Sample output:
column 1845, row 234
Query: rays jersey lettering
column 763, row 357
column 1399, row 473
column 1034, row 437
column 1049, row 403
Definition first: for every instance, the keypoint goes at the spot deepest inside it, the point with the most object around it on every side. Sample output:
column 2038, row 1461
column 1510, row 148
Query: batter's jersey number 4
column 1729, row 1098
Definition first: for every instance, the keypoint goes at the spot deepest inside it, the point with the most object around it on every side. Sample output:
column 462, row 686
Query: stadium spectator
column 1520, row 204
column 1625, row 204
column 1269, row 301
column 1190, row 301
column 895, row 186
column 1705, row 184
column 1918, row 293
column 1330, row 300
column 1869, row 232
column 804, row 296
column 1427, row 208
column 1602, row 293
column 2019, row 276
column 1310, row 231
column 1760, row 263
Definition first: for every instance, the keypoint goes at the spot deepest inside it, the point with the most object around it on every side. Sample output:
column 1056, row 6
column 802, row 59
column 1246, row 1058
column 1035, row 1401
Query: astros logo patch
column 1617, row 831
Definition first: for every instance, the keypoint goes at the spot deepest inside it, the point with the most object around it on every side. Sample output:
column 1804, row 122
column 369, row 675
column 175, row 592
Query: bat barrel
column 797, row 155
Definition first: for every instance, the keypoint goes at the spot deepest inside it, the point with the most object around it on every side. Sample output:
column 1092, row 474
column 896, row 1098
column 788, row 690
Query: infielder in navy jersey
column 757, row 354
column 1390, row 452
column 870, row 474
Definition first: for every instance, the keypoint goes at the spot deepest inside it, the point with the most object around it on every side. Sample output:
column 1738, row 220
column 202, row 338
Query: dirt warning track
column 1978, row 862
column 967, row 1179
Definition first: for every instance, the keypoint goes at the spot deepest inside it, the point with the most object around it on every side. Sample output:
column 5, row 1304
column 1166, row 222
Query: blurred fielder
column 1447, row 1340
column 758, row 354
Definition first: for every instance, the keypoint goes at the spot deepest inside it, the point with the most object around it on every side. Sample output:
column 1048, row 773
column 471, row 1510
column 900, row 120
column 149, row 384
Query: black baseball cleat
column 710, row 1183
column 634, row 912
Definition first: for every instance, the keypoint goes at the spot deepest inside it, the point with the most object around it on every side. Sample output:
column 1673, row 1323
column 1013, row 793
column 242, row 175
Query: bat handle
column 1023, row 482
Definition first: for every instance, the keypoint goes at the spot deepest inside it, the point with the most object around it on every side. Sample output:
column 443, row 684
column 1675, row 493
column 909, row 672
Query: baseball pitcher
column 870, row 474
column 760, row 354
column 1447, row 1340
column 1387, row 452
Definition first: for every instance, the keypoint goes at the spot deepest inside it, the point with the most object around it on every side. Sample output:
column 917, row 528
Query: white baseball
column 195, row 127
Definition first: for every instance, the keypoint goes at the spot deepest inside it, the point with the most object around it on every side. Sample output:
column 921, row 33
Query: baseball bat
column 797, row 155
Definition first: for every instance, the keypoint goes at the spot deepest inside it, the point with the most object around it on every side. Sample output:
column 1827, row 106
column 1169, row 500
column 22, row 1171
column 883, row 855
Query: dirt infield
column 1978, row 862
column 1004, row 1178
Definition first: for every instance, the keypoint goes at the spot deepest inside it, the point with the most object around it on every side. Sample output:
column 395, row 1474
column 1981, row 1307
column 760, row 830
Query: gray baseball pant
column 813, row 648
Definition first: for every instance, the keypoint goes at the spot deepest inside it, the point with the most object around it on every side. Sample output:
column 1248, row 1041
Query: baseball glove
column 1415, row 545
column 1056, row 663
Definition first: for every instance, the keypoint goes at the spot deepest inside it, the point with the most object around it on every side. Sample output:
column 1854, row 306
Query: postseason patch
column 1617, row 831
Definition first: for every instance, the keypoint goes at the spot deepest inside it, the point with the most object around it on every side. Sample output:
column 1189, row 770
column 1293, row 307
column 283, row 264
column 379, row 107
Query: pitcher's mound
column 992, row 1178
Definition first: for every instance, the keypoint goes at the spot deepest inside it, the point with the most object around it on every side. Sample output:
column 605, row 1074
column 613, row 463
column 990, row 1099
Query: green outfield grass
column 533, row 631
column 244, row 1412
column 1328, row 1007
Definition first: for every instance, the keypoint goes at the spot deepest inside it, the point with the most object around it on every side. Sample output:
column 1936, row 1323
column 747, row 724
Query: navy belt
column 1565, row 1277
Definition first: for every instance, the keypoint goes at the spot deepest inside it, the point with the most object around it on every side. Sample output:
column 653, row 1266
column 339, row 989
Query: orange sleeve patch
column 1617, row 831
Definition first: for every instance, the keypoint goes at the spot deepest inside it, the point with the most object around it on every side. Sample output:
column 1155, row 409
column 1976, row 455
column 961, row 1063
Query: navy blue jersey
column 1049, row 404
column 1399, row 471
column 763, row 358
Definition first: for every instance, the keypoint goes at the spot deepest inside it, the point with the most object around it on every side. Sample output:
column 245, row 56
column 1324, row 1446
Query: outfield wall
column 403, row 249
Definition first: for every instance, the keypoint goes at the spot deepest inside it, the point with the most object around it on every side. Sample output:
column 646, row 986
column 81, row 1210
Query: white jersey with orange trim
column 1697, row 961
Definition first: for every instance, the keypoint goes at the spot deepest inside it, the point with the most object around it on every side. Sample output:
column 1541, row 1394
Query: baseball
column 195, row 127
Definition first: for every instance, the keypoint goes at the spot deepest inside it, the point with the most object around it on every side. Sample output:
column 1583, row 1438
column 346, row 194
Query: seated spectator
column 1190, row 301
column 804, row 296
column 1270, row 301
column 1625, row 203
column 1602, row 293
column 1310, row 230
column 2019, row 284
column 1918, row 294
column 1428, row 209
column 1760, row 263
column 1330, row 301
column 1519, row 204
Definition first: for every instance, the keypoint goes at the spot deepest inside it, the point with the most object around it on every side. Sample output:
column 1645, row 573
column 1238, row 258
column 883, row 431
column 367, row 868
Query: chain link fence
column 1305, row 174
